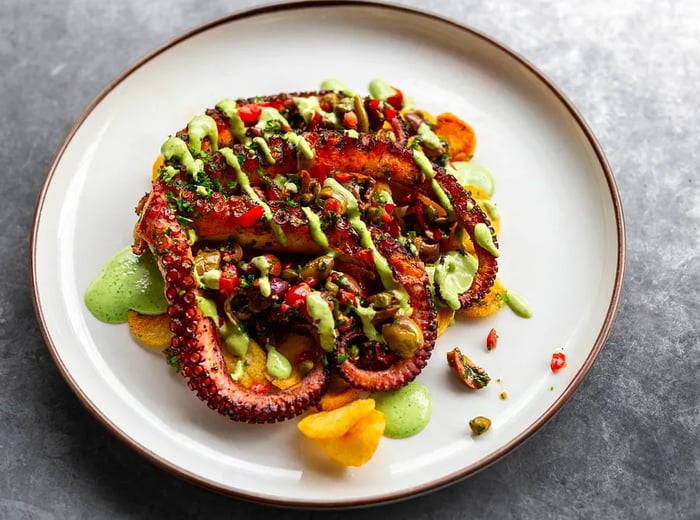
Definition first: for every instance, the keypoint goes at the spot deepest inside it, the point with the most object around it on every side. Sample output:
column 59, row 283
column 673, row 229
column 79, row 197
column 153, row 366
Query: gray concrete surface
column 625, row 446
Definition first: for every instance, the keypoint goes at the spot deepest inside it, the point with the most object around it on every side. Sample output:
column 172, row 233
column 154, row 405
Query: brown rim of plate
column 390, row 497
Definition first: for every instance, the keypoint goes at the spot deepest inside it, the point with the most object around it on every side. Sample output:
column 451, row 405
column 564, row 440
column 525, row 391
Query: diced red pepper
column 396, row 100
column 491, row 339
column 373, row 104
column 326, row 106
column 390, row 113
column 345, row 297
column 229, row 280
column 386, row 217
column 342, row 177
column 250, row 217
column 296, row 298
column 438, row 235
column 315, row 121
column 332, row 204
column 389, row 207
column 558, row 361
column 350, row 120
column 250, row 114
column 259, row 388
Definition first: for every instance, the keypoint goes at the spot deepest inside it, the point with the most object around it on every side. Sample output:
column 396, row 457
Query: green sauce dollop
column 126, row 282
column 518, row 305
column 454, row 276
column 473, row 174
column 407, row 410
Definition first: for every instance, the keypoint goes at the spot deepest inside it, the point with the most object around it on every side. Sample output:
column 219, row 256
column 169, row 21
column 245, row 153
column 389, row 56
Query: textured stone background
column 626, row 445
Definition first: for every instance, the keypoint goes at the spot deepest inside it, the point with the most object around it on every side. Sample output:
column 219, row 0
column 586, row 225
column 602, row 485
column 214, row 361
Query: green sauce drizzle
column 428, row 137
column 381, row 263
column 236, row 124
column 200, row 127
column 407, row 410
column 302, row 145
column 483, row 237
column 271, row 122
column 426, row 167
column 244, row 183
column 319, row 310
column 308, row 106
column 315, row 226
column 264, row 267
column 265, row 149
column 176, row 148
column 126, row 282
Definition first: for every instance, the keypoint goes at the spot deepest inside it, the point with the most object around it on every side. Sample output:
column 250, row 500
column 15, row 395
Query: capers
column 403, row 336
column 317, row 269
column 479, row 424
column 305, row 367
column 430, row 213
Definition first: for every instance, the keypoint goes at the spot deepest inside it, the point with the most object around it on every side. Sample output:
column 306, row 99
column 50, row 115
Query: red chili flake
column 259, row 388
column 396, row 100
column 558, row 361
column 249, row 114
column 350, row 120
column 250, row 217
column 229, row 280
column 491, row 339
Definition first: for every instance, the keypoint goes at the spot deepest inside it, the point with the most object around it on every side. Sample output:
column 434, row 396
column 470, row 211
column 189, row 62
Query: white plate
column 562, row 245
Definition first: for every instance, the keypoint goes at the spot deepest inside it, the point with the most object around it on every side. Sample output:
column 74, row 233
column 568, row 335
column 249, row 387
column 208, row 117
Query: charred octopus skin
column 291, row 174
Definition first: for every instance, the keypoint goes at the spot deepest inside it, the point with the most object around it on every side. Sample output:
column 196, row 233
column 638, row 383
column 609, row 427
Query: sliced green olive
column 317, row 269
column 479, row 424
column 403, row 336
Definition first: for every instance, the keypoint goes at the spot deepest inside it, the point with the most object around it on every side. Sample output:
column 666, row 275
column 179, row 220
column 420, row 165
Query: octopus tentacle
column 412, row 276
column 196, row 346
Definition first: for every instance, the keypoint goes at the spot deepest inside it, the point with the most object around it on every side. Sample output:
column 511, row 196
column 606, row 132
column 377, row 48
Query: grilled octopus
column 271, row 174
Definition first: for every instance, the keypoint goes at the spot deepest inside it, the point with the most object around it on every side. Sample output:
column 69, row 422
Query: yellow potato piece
column 254, row 364
column 359, row 443
column 335, row 423
column 492, row 302
column 339, row 394
column 151, row 331
column 460, row 137
column 292, row 346
column 445, row 316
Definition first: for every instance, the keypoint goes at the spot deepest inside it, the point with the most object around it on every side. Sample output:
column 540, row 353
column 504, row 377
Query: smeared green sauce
column 473, row 174
column 244, row 183
column 336, row 85
column 366, row 314
column 127, row 282
column 319, row 310
column 518, row 304
column 271, row 121
column 380, row 89
column 485, row 239
column 453, row 276
column 277, row 365
column 200, row 127
column 407, row 410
